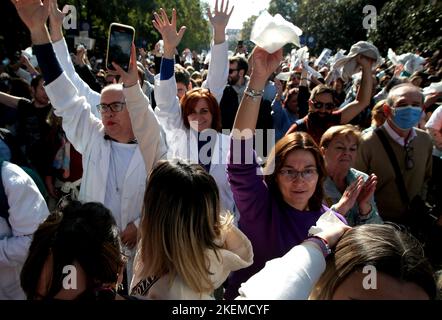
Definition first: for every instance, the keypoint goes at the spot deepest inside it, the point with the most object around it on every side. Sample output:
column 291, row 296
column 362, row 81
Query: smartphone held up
column 119, row 45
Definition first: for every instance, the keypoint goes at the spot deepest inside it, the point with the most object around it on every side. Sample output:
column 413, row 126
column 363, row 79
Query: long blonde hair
column 180, row 222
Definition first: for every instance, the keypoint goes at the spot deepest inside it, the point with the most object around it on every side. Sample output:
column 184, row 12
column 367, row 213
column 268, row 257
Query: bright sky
column 243, row 10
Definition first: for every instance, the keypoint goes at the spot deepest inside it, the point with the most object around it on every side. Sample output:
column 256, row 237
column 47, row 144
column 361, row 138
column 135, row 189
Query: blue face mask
column 406, row 117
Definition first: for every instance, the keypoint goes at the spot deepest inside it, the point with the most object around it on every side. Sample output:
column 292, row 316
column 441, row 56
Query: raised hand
column 167, row 29
column 33, row 13
column 350, row 196
column 263, row 65
column 219, row 20
column 367, row 191
column 333, row 233
column 365, row 62
column 129, row 78
column 56, row 18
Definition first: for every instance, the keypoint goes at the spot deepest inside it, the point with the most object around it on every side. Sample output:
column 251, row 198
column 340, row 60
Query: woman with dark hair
column 75, row 254
column 370, row 262
column 276, row 211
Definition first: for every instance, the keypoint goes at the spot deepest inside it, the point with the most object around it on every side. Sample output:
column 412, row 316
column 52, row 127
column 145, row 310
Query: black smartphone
column 119, row 44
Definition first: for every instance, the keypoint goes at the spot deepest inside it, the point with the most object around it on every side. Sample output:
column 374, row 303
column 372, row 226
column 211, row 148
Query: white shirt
column 397, row 138
column 120, row 157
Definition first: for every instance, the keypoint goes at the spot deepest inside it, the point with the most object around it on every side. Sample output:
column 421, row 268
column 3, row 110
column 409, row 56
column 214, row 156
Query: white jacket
column 291, row 277
column 182, row 143
column 64, row 58
column 86, row 133
column 27, row 209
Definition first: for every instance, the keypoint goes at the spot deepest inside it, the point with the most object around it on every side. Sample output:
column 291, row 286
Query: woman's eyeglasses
column 291, row 175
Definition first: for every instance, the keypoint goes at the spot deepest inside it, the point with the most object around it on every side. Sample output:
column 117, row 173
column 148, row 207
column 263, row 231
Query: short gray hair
column 392, row 95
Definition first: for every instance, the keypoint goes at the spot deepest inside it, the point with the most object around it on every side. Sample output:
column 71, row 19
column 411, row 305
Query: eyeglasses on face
column 232, row 70
column 291, row 175
column 319, row 105
column 409, row 162
column 114, row 107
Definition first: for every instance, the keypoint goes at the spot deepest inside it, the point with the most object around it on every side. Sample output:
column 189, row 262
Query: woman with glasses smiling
column 278, row 206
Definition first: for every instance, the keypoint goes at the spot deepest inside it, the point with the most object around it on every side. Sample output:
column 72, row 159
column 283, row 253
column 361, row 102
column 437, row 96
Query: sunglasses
column 320, row 105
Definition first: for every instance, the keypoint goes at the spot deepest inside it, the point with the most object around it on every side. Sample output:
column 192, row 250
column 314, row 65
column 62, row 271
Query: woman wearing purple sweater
column 278, row 208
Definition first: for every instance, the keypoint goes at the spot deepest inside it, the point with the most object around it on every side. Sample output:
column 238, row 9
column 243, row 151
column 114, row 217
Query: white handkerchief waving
column 272, row 33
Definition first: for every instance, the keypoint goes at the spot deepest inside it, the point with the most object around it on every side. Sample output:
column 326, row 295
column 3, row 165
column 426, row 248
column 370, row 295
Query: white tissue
column 272, row 33
column 433, row 88
column 324, row 222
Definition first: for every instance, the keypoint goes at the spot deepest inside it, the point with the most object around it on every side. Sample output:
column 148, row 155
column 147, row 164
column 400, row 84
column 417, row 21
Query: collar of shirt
column 401, row 141
column 106, row 137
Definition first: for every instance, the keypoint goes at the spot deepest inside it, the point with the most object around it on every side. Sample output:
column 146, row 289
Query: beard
column 320, row 121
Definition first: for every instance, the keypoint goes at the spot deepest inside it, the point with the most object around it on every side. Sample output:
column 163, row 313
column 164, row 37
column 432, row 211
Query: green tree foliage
column 247, row 30
column 405, row 25
column 99, row 14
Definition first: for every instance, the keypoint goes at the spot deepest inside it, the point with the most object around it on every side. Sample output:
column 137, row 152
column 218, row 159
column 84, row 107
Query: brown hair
column 320, row 89
column 344, row 130
column 385, row 247
column 190, row 100
column 278, row 156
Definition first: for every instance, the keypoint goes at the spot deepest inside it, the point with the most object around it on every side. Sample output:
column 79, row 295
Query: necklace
column 114, row 164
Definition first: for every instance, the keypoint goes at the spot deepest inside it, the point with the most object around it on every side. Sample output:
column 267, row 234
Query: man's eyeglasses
column 114, row 107
column 409, row 162
column 232, row 70
column 320, row 105
column 290, row 174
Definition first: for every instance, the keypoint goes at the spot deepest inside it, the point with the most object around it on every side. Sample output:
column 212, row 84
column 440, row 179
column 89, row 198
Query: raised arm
column 219, row 64
column 168, row 108
column 8, row 100
column 78, row 123
column 364, row 93
column 264, row 64
column 61, row 51
column 145, row 124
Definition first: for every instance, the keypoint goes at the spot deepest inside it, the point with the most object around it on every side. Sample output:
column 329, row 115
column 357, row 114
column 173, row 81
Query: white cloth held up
column 272, row 33
column 348, row 64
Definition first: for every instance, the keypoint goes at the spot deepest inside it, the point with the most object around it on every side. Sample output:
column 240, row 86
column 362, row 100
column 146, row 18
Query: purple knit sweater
column 272, row 226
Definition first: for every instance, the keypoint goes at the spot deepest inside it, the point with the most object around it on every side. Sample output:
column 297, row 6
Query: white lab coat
column 181, row 141
column 64, row 58
column 27, row 209
column 86, row 133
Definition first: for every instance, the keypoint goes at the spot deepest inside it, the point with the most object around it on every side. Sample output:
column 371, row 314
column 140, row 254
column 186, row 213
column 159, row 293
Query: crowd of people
column 181, row 178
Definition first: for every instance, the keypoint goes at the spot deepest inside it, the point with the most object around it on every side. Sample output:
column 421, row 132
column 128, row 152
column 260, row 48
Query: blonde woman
column 186, row 249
